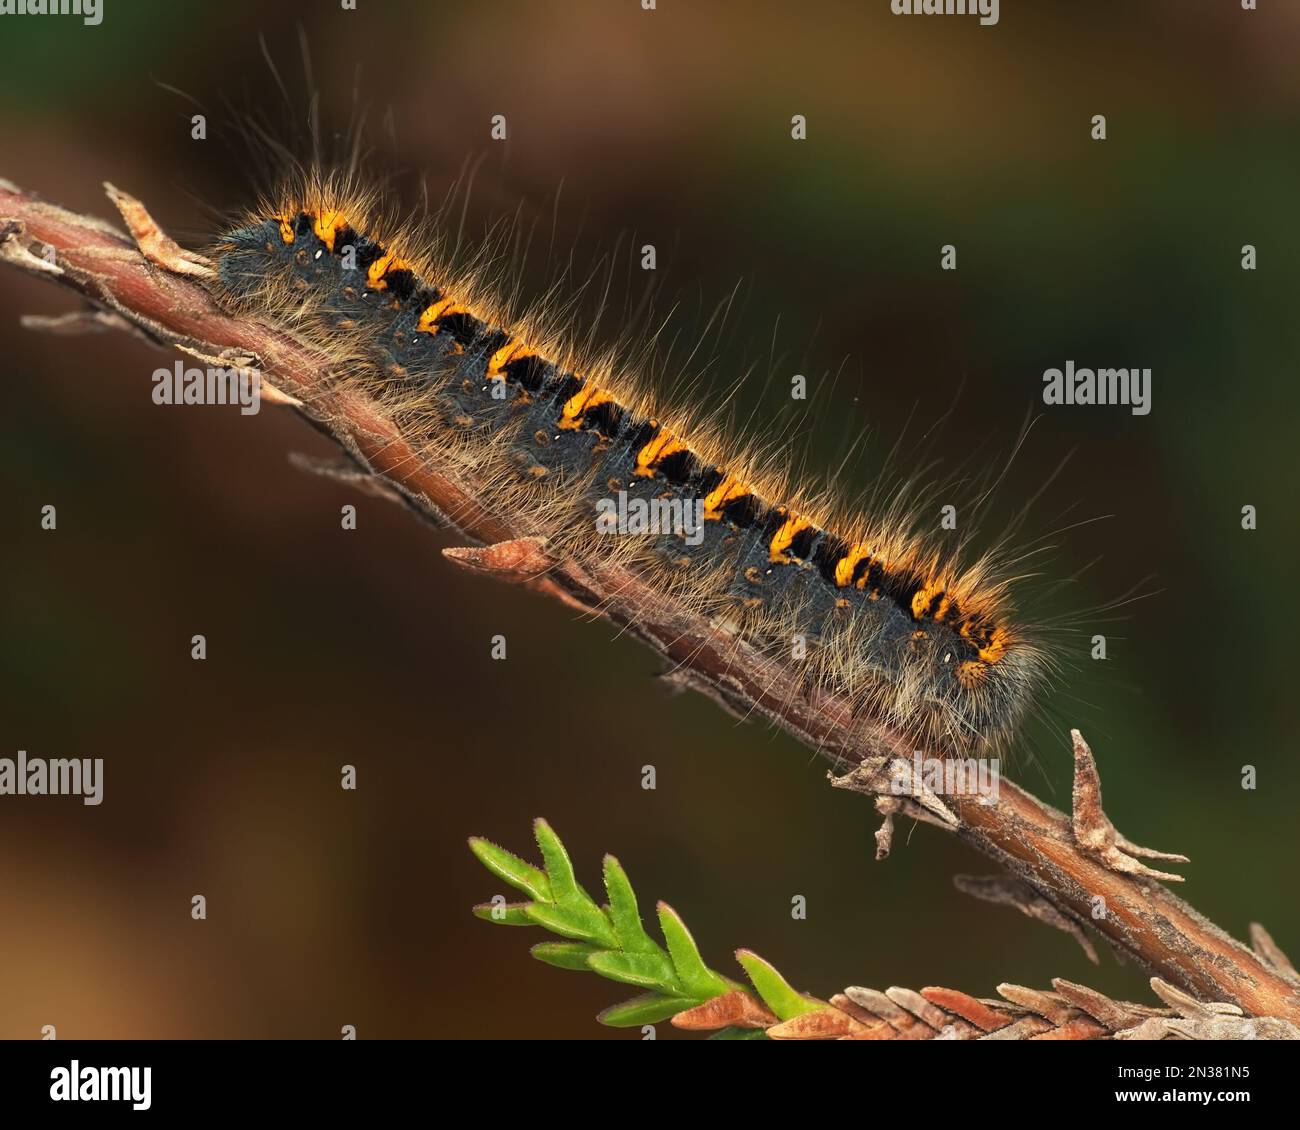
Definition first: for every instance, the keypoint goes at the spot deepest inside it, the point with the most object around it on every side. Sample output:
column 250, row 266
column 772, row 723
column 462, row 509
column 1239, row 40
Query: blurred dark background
column 222, row 777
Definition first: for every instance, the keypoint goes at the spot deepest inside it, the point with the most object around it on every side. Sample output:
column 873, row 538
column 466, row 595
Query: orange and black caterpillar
column 919, row 642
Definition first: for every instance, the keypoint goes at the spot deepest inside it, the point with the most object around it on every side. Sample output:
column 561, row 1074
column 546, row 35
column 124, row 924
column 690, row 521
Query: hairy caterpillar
column 916, row 639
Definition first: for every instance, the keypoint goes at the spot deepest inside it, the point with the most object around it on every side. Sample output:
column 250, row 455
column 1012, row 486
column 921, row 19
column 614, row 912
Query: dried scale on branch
column 1070, row 1012
column 1057, row 867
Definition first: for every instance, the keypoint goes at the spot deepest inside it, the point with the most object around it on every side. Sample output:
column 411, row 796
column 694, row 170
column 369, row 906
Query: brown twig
column 1070, row 1012
column 1079, row 866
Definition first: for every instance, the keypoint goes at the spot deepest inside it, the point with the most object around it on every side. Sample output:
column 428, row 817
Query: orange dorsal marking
column 791, row 528
column 729, row 490
column 380, row 267
column 514, row 351
column 443, row 308
column 845, row 567
column 580, row 403
column 923, row 598
column 328, row 225
column 658, row 449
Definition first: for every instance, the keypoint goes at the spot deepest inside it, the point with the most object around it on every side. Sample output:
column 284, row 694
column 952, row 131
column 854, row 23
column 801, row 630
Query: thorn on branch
column 678, row 680
column 1006, row 891
column 892, row 782
column 898, row 790
column 345, row 470
column 242, row 359
column 1094, row 832
column 1261, row 941
column 521, row 559
column 154, row 243
column 77, row 323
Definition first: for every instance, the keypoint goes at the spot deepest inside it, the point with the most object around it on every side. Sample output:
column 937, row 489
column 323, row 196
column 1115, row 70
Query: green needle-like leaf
column 623, row 911
column 774, row 989
column 699, row 980
column 574, row 913
column 559, row 868
column 649, row 1009
column 584, row 922
column 564, row 955
column 512, row 914
column 648, row 970
column 505, row 865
